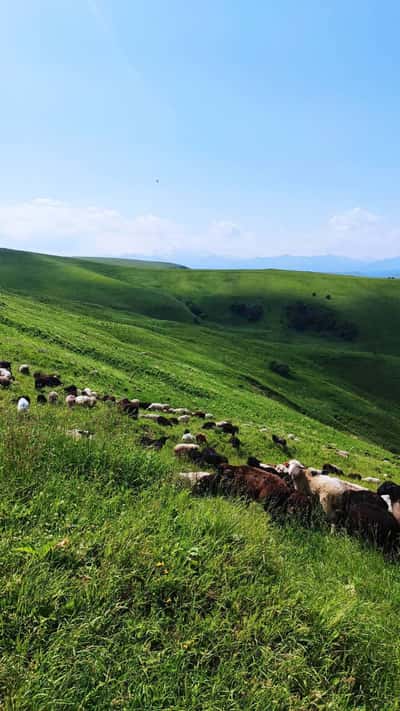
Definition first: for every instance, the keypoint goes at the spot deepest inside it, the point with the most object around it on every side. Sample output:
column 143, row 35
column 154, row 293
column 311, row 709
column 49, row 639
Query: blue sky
column 229, row 128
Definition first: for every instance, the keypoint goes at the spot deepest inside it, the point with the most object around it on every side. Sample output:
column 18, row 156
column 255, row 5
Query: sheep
column 23, row 403
column 254, row 462
column 71, row 390
column 188, row 437
column 300, row 507
column 184, row 418
column 211, row 458
column 354, row 475
column 227, row 427
column 209, row 416
column 85, row 401
column 279, row 441
column 199, row 413
column 5, row 373
column 365, row 513
column 46, row 381
column 158, row 407
column 129, row 407
column 70, row 400
column 235, row 442
column 53, row 397
column 253, row 484
column 392, row 490
column 24, row 369
column 5, row 382
column 331, row 469
column 192, row 478
column 180, row 411
column 153, row 443
column 325, row 487
column 185, row 449
column 201, row 438
column 41, row 399
column 89, row 392
column 5, row 364
column 371, row 479
column 79, row 434
column 165, row 422
column 208, row 425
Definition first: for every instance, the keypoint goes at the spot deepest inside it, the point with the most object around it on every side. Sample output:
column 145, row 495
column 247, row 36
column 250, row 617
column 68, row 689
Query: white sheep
column 209, row 416
column 24, row 369
column 188, row 437
column 53, row 397
column 191, row 478
column 85, row 401
column 5, row 373
column 23, row 404
column 327, row 488
column 181, row 449
column 158, row 407
column 184, row 418
column 70, row 400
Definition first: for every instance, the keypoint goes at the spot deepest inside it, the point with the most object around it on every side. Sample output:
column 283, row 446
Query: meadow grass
column 119, row 589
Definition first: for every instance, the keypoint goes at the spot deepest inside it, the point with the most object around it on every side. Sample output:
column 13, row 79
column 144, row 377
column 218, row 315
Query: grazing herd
column 285, row 490
column 291, row 489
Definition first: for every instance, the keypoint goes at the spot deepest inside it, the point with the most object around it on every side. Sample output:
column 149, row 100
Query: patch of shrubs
column 251, row 312
column 282, row 369
column 196, row 310
column 320, row 319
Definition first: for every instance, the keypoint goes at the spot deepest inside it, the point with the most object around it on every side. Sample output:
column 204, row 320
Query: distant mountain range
column 328, row 264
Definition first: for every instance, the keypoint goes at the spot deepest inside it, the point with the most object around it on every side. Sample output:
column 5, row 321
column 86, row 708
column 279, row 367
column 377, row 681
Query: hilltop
column 119, row 589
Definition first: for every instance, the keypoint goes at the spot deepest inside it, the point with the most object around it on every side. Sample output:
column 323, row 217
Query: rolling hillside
column 119, row 589
column 351, row 384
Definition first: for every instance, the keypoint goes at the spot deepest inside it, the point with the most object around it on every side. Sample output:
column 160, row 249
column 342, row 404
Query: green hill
column 121, row 590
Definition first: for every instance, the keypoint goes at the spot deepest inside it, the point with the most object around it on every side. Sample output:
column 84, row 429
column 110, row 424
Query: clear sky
column 228, row 127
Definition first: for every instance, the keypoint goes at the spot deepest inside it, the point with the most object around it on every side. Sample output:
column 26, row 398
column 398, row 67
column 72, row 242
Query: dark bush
column 251, row 312
column 196, row 310
column 280, row 368
column 320, row 319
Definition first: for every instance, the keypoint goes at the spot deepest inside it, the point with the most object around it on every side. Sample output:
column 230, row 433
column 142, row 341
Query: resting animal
column 316, row 484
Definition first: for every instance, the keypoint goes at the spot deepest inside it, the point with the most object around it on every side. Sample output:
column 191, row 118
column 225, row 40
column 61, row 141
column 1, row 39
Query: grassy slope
column 241, row 614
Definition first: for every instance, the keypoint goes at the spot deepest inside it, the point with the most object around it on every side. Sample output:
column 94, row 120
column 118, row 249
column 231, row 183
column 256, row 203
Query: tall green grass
column 119, row 589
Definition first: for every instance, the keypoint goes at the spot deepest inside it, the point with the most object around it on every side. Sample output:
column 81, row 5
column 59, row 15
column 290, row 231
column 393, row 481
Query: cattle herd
column 288, row 489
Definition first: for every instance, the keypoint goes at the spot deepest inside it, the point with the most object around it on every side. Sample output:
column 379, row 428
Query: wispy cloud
column 56, row 226
column 355, row 219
